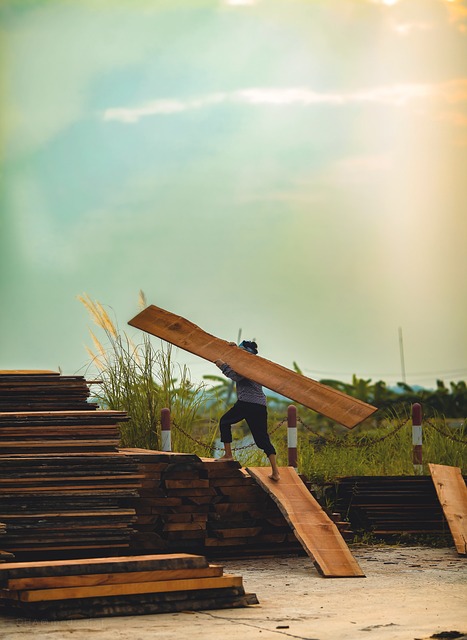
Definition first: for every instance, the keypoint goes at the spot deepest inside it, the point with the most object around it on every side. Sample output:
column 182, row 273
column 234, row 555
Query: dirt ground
column 409, row 593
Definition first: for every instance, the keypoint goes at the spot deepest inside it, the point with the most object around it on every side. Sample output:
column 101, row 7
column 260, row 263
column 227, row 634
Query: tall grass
column 365, row 455
column 141, row 380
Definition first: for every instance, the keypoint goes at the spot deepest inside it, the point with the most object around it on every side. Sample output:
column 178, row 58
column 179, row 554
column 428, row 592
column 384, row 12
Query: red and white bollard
column 292, row 435
column 417, row 438
column 166, row 439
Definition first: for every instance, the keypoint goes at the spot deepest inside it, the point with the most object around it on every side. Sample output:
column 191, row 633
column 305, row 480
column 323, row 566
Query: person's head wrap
column 251, row 347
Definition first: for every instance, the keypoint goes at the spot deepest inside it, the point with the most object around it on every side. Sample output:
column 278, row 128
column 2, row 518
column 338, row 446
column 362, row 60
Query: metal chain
column 333, row 441
column 212, row 448
column 431, row 424
column 339, row 442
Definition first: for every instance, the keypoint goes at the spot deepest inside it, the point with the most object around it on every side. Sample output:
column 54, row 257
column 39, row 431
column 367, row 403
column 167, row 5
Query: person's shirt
column 247, row 390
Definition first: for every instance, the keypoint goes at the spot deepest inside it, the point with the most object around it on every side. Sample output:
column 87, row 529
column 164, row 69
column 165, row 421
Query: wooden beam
column 97, row 579
column 13, row 570
column 316, row 532
column 452, row 493
column 182, row 333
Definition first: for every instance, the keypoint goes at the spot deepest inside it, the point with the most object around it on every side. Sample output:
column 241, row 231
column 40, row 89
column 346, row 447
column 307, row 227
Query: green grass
column 366, row 455
column 381, row 451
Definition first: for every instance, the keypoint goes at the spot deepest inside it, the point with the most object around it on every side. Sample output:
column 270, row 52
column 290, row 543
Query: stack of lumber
column 64, row 486
column 244, row 519
column 203, row 506
column 60, row 504
column 42, row 391
column 389, row 505
column 163, row 516
column 4, row 555
column 132, row 585
column 59, row 431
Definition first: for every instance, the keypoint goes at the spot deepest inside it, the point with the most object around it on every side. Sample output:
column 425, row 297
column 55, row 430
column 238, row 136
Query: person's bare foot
column 275, row 476
column 224, row 459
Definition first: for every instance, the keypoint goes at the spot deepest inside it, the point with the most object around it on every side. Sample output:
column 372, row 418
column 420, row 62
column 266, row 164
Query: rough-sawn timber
column 452, row 493
column 316, row 532
column 182, row 333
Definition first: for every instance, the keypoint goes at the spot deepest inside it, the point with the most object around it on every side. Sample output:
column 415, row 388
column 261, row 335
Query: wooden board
column 155, row 562
column 182, row 333
column 316, row 532
column 99, row 579
column 131, row 605
column 452, row 493
column 160, row 586
column 133, row 585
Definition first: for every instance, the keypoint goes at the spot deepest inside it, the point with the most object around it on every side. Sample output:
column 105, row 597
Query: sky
column 294, row 169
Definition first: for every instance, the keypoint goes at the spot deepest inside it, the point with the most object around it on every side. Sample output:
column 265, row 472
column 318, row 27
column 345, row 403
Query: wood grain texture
column 127, row 564
column 182, row 333
column 131, row 605
column 316, row 532
column 160, row 586
column 99, row 579
column 452, row 493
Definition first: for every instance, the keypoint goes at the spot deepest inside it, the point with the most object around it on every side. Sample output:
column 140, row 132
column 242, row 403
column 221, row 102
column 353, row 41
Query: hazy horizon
column 293, row 169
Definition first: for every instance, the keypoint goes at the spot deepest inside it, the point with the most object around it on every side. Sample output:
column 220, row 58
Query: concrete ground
column 409, row 593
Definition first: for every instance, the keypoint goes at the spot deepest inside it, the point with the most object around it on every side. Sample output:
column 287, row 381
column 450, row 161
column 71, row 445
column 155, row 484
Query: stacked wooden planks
column 59, row 504
column 244, row 519
column 53, row 432
column 389, row 505
column 166, row 519
column 64, row 485
column 42, row 391
column 131, row 585
column 203, row 506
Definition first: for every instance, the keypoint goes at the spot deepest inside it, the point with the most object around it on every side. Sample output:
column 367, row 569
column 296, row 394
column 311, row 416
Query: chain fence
column 209, row 447
column 451, row 437
column 363, row 441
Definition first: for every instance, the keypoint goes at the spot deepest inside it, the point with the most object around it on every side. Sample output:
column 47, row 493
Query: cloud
column 392, row 95
column 161, row 107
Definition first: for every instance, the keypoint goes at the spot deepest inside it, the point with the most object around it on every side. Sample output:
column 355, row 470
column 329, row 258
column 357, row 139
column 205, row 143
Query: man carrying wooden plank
column 251, row 406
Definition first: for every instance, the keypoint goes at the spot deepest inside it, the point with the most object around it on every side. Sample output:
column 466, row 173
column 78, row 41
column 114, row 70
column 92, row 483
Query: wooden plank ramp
column 316, row 532
column 452, row 493
column 182, row 333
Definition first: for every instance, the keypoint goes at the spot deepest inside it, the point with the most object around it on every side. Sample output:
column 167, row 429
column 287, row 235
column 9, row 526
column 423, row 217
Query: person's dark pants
column 256, row 416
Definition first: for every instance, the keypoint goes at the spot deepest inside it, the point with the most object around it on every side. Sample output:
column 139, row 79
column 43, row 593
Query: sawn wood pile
column 199, row 505
column 133, row 585
column 64, row 486
column 390, row 505
column 43, row 391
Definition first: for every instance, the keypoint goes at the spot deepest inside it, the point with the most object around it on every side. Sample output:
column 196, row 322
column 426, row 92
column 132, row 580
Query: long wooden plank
column 225, row 598
column 10, row 570
column 160, row 586
column 96, row 579
column 452, row 493
column 182, row 333
column 316, row 532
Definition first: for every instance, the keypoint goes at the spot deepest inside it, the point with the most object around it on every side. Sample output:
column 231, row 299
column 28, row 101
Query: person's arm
column 228, row 371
